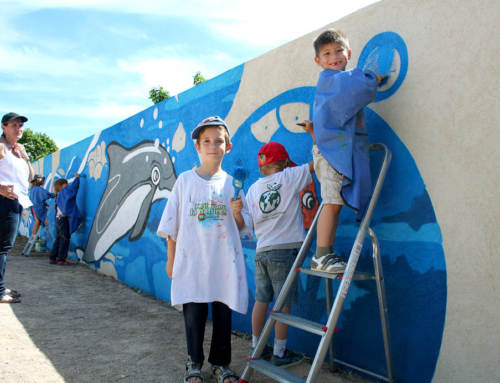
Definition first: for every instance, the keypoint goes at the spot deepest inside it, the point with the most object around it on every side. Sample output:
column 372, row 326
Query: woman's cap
column 12, row 116
column 209, row 121
column 272, row 152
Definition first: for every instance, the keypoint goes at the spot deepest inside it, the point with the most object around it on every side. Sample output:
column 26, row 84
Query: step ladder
column 29, row 245
column 326, row 331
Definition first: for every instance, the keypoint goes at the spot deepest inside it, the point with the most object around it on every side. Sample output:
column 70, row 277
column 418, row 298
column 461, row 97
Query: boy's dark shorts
column 271, row 270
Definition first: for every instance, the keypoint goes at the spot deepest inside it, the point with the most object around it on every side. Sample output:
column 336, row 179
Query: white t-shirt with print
column 274, row 205
column 209, row 264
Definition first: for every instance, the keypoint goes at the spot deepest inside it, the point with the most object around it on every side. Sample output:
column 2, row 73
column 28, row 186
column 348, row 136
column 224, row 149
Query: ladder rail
column 278, row 305
column 384, row 320
column 351, row 266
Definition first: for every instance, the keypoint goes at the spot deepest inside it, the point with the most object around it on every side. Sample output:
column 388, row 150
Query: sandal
column 193, row 371
column 9, row 299
column 13, row 293
column 223, row 374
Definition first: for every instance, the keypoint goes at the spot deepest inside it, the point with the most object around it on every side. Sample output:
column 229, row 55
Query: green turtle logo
column 270, row 200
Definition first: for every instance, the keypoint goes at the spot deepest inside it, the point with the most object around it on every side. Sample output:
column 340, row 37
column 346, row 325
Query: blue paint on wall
column 404, row 220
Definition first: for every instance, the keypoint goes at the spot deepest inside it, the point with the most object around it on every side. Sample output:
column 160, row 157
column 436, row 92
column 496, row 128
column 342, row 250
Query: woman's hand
column 8, row 191
column 22, row 152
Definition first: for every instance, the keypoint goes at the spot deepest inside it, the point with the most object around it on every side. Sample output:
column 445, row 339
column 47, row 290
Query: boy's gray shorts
column 329, row 178
column 271, row 270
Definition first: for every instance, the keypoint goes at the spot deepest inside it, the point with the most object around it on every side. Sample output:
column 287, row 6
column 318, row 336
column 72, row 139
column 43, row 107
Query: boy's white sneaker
column 328, row 263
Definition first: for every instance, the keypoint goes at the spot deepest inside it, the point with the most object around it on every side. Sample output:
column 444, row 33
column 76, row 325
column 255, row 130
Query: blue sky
column 75, row 67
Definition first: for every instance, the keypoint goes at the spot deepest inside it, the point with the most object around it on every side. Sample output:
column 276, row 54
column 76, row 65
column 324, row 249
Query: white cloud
column 175, row 72
column 257, row 23
column 33, row 62
column 106, row 109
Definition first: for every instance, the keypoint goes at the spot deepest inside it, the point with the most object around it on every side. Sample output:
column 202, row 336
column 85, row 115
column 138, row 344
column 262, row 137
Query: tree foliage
column 198, row 78
column 37, row 145
column 158, row 95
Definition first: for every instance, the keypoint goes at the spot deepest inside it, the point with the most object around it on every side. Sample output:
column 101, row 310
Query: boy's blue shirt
column 66, row 202
column 340, row 129
column 38, row 196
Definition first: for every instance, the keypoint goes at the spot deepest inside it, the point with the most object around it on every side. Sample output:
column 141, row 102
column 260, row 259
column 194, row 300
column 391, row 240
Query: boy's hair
column 37, row 180
column 58, row 184
column 276, row 165
column 330, row 36
column 202, row 129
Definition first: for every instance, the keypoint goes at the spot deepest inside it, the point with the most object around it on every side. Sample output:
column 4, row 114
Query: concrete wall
column 436, row 219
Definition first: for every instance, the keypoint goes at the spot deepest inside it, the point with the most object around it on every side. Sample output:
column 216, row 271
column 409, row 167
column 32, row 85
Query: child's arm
column 170, row 256
column 380, row 77
column 237, row 207
column 73, row 186
column 307, row 125
column 311, row 167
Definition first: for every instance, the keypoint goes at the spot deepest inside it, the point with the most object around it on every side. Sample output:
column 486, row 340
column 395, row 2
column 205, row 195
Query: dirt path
column 75, row 325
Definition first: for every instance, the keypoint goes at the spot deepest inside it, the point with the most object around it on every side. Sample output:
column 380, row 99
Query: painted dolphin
column 138, row 177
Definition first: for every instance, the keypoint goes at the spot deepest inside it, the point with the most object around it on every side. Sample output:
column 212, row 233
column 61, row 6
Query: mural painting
column 129, row 169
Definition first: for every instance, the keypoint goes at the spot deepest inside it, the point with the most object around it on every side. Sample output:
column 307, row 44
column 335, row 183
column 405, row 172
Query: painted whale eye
column 308, row 200
column 155, row 175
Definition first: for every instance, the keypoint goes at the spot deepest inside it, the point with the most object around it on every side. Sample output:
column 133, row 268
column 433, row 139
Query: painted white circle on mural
column 155, row 113
column 393, row 73
column 265, row 127
column 160, row 124
column 141, row 124
column 292, row 113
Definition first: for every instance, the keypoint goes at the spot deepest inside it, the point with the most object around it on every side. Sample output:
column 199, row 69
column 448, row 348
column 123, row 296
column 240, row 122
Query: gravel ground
column 75, row 325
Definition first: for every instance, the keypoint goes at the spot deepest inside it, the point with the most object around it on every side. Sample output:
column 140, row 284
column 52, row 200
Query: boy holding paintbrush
column 274, row 205
column 202, row 223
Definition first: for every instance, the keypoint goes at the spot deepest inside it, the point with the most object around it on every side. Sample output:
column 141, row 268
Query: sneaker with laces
column 266, row 354
column 328, row 263
column 290, row 358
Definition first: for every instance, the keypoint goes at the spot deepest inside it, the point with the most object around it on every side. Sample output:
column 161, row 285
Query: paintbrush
column 238, row 180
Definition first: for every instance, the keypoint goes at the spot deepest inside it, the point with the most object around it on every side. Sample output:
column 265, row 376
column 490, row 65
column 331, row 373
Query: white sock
column 254, row 340
column 279, row 347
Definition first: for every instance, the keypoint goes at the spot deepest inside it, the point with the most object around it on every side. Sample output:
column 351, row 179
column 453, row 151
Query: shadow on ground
column 75, row 325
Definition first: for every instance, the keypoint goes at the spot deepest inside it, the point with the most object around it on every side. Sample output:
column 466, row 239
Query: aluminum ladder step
column 277, row 373
column 339, row 276
column 298, row 322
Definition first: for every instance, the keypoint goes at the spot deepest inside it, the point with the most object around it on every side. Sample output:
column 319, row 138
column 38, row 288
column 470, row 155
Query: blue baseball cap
column 209, row 121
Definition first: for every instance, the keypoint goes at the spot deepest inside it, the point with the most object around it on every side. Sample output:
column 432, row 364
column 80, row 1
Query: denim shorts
column 271, row 270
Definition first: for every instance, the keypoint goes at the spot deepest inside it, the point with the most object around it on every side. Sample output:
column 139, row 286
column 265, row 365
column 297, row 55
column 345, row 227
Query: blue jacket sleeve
column 342, row 94
column 72, row 188
column 66, row 201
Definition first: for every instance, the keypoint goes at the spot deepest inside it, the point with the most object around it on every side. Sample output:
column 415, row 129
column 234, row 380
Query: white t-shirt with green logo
column 274, row 205
column 209, row 263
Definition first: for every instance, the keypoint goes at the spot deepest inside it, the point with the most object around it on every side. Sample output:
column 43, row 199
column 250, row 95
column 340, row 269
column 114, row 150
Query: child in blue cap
column 202, row 224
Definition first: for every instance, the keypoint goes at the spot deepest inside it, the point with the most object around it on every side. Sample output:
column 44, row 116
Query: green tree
column 37, row 145
column 198, row 78
column 158, row 95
